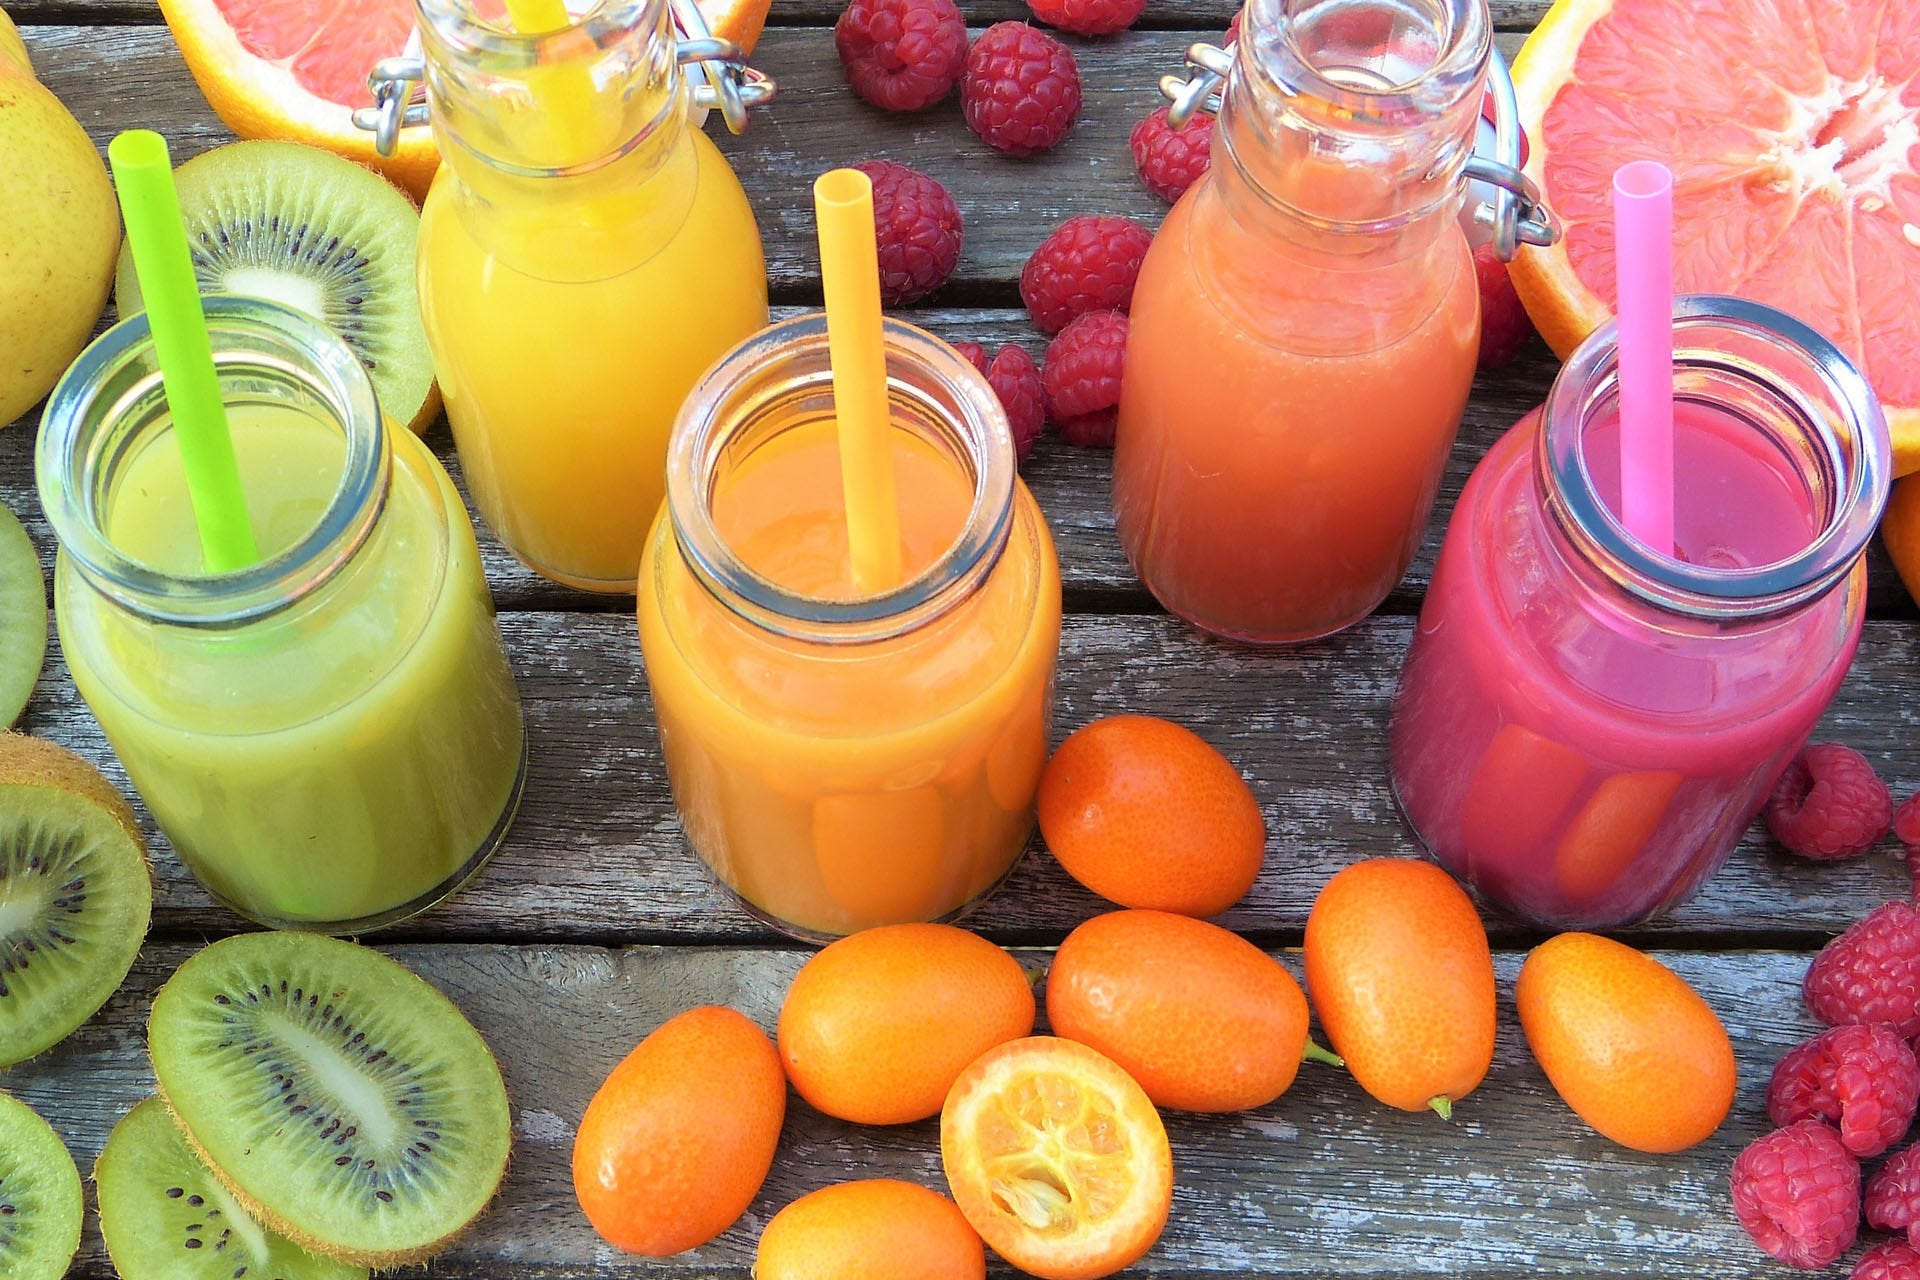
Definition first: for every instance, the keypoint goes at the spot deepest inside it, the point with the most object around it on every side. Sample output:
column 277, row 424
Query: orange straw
column 564, row 92
column 850, row 271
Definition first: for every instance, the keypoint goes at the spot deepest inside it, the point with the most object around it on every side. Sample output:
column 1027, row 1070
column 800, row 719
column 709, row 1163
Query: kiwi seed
column 345, row 1103
column 318, row 233
column 164, row 1217
column 75, row 894
column 40, row 1199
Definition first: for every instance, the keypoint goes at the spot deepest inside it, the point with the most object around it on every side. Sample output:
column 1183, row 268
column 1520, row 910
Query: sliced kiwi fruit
column 23, row 618
column 318, row 233
column 75, row 894
column 345, row 1103
column 40, row 1200
column 164, row 1217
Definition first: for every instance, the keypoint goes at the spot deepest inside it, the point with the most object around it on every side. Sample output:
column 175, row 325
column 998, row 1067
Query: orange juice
column 1306, row 323
column 842, row 761
column 584, row 256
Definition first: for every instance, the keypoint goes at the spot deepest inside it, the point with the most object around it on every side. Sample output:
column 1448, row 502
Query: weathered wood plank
column 1324, row 1182
column 1508, row 15
column 116, row 78
column 1070, row 484
column 597, row 853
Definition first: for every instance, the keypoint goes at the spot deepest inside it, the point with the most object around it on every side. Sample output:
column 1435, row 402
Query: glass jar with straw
column 1651, row 588
column 272, row 601
column 850, row 612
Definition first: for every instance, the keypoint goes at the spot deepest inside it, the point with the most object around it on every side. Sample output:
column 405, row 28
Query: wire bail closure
column 1515, row 216
column 724, row 83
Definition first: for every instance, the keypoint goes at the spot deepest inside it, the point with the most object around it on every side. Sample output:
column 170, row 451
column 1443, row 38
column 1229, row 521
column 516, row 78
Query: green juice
column 339, row 762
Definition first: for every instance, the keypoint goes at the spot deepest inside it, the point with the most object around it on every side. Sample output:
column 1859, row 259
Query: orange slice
column 295, row 70
column 1057, row 1158
column 1790, row 129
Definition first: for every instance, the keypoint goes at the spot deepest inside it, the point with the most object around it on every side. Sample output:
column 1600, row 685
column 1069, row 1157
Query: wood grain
column 596, row 853
column 117, row 78
column 1324, row 1182
column 1508, row 15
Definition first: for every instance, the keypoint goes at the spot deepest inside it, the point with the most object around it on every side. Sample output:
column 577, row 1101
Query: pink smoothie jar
column 1584, row 724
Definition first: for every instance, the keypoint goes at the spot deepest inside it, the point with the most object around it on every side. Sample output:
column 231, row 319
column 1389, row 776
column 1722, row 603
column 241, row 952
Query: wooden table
column 595, row 923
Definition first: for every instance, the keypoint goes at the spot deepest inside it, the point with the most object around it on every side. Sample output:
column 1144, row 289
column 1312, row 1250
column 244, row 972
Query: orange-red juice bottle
column 1306, row 324
column 842, row 761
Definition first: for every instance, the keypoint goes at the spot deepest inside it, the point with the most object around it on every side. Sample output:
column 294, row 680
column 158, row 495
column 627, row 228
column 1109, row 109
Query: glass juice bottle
column 330, row 738
column 1585, row 726
column 585, row 254
column 842, row 761
column 1306, row 324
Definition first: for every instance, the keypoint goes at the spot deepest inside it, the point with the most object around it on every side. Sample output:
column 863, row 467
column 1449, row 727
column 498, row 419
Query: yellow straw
column 850, row 271
column 565, row 95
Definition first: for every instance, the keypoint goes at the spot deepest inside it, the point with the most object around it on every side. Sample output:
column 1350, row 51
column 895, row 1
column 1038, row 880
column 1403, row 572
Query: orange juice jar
column 1305, row 327
column 842, row 761
column 585, row 254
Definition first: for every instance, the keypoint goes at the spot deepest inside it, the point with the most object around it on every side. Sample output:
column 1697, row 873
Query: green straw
column 143, row 172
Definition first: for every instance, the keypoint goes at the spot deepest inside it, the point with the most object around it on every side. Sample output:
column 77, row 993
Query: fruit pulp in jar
column 1587, row 766
column 565, row 335
column 351, row 756
column 1284, row 421
column 835, row 787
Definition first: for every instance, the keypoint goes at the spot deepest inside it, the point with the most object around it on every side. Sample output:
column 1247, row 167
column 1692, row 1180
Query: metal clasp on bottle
column 1511, row 211
column 724, row 82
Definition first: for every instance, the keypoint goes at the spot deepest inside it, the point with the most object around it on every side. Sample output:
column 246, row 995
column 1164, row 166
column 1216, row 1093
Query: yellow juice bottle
column 585, row 255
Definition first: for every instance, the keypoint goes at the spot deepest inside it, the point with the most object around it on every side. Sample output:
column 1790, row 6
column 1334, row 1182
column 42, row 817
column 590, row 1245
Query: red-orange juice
column 842, row 761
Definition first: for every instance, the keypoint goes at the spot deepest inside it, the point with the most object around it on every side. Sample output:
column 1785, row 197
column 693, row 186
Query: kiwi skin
column 320, row 1248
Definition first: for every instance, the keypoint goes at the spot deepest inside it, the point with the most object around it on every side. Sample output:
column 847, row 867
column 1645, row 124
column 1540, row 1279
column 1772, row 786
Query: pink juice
column 1575, row 753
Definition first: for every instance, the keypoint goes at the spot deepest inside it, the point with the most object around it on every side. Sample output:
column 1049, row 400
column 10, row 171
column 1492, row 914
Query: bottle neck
column 781, row 378
column 111, row 405
column 558, row 108
column 1812, row 416
column 1350, row 122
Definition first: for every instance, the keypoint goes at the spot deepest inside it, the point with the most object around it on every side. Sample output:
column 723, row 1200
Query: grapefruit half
column 296, row 69
column 1793, row 131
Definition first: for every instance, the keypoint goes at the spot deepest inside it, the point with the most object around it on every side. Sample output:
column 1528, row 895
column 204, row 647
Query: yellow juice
column 339, row 761
column 566, row 330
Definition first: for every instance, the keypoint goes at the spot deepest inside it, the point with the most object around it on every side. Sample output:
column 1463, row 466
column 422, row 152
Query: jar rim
column 456, row 24
column 1454, row 74
column 246, row 334
column 1853, row 449
column 709, row 417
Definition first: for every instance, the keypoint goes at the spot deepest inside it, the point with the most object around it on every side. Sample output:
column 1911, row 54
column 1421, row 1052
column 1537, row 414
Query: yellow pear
column 59, row 234
column 11, row 45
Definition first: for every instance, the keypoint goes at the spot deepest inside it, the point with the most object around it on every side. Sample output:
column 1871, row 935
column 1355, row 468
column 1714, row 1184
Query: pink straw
column 1643, row 276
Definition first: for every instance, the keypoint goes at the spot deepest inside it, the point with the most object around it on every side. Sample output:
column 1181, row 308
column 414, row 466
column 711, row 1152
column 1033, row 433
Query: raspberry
column 1870, row 973
column 1170, row 160
column 902, row 55
column 1021, row 90
column 1797, row 1192
column 1894, row 1260
column 1016, row 380
column 1089, row 263
column 1504, row 324
column 976, row 355
column 1829, row 804
column 1082, row 378
column 1864, row 1079
column 1906, row 823
column 1893, row 1195
column 1088, row 17
column 918, row 228
column 1233, row 27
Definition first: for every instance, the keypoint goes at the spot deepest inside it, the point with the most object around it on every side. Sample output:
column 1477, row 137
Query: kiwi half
column 164, row 1217
column 75, row 894
column 40, row 1199
column 23, row 618
column 346, row 1103
column 318, row 233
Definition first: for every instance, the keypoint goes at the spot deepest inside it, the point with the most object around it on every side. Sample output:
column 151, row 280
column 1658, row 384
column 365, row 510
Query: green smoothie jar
column 330, row 738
